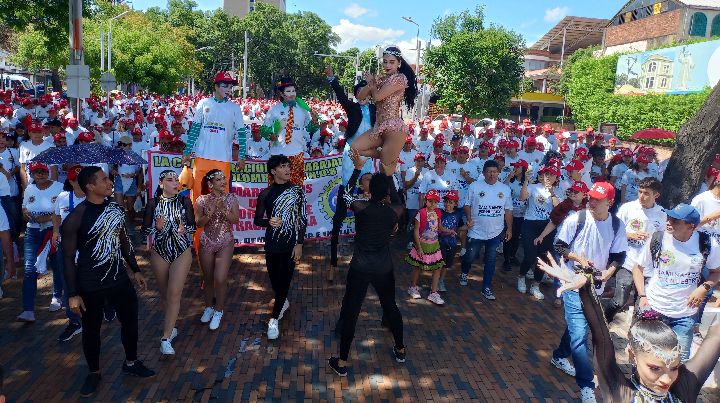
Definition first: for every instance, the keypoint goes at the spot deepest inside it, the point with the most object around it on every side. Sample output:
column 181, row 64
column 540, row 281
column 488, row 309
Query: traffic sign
column 78, row 81
column 107, row 81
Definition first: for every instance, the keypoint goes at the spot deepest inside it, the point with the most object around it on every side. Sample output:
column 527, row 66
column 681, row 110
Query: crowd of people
column 453, row 187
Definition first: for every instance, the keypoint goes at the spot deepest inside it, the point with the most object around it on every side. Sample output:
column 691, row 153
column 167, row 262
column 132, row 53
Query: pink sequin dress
column 388, row 110
column 217, row 232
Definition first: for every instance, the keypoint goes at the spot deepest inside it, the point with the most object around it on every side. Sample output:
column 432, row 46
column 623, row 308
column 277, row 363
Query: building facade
column 240, row 8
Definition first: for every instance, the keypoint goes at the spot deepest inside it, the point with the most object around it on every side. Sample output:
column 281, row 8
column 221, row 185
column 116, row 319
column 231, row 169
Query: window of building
column 650, row 82
column 698, row 24
column 652, row 67
column 666, row 68
column 663, row 83
column 715, row 28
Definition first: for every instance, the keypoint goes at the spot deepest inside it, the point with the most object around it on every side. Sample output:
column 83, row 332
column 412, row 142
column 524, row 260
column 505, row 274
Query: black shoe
column 334, row 363
column 109, row 314
column 70, row 331
column 138, row 369
column 399, row 356
column 92, row 380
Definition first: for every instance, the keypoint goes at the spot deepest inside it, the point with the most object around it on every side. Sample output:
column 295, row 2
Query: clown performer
column 218, row 123
column 288, row 125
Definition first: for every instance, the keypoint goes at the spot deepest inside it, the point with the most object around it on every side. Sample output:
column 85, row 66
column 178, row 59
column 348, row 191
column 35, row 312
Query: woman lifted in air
column 387, row 137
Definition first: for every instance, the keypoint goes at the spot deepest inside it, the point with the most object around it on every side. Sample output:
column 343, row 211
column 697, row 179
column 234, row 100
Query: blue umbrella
column 92, row 153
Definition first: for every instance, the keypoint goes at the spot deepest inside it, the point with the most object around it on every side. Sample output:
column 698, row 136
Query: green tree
column 475, row 70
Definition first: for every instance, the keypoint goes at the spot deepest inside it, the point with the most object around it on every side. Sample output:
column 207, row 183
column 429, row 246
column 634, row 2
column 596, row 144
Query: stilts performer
column 287, row 125
column 218, row 123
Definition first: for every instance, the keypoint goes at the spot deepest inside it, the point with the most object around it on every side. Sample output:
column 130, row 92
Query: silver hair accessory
column 215, row 174
column 167, row 173
column 668, row 357
column 395, row 53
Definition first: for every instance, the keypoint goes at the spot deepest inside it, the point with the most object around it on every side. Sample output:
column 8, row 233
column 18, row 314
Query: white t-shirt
column 706, row 203
column 28, row 151
column 258, row 150
column 519, row 206
column 639, row 219
column 408, row 159
column 618, row 171
column 62, row 204
column 442, row 183
column 41, row 202
column 677, row 274
column 596, row 240
column 539, row 203
column 488, row 204
column 425, row 146
column 630, row 179
column 299, row 133
column 454, row 168
column 413, row 193
column 220, row 122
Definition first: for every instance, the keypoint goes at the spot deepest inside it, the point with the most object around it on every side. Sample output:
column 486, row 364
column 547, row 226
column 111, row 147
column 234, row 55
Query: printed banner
column 322, row 182
column 677, row 70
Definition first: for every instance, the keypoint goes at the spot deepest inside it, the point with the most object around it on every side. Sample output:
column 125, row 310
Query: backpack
column 656, row 247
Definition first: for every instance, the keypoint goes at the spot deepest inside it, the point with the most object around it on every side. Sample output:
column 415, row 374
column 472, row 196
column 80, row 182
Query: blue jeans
column 9, row 204
column 472, row 252
column 33, row 240
column 574, row 341
column 683, row 328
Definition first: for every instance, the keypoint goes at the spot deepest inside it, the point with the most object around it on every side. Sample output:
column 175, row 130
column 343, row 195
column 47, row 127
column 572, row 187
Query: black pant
column 124, row 300
column 356, row 288
column 281, row 267
column 531, row 229
column 338, row 218
column 623, row 298
column 510, row 247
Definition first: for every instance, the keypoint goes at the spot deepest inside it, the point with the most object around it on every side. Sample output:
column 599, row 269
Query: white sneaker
column 273, row 329
column 441, row 285
column 166, row 347
column 55, row 305
column 414, row 292
column 215, row 321
column 521, row 285
column 174, row 334
column 587, row 395
column 535, row 292
column 463, row 251
column 564, row 365
column 286, row 305
column 207, row 314
column 435, row 298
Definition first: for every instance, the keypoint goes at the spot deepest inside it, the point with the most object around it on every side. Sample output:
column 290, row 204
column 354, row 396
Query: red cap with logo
column 59, row 135
column 551, row 169
column 520, row 163
column 35, row 127
column 438, row 142
column 73, row 172
column 564, row 148
column 451, row 195
column 602, row 190
column 643, row 159
column 462, row 149
column 224, row 77
column 86, row 136
column 502, row 143
column 408, row 139
column 165, row 134
column 530, row 142
column 582, row 153
column 712, row 171
column 626, row 152
column 574, row 165
column 37, row 166
column 499, row 156
column 419, row 156
column 432, row 194
column 440, row 157
column 579, row 186
column 72, row 122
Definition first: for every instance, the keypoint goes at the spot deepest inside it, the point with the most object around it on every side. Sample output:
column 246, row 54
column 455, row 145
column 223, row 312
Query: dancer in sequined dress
column 281, row 209
column 216, row 211
column 388, row 134
column 170, row 220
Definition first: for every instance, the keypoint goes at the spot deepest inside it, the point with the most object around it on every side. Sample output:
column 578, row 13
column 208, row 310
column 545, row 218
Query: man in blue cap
column 674, row 263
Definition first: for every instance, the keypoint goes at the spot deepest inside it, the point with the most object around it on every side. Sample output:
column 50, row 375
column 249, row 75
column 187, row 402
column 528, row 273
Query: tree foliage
column 588, row 84
column 475, row 70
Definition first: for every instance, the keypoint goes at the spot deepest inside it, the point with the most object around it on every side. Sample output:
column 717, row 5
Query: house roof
column 580, row 32
column 713, row 4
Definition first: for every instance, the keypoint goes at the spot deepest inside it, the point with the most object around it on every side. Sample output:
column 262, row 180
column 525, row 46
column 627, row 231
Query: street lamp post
column 109, row 44
column 416, row 112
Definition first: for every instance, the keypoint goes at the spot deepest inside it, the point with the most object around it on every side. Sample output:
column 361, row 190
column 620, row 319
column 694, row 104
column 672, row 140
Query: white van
column 11, row 81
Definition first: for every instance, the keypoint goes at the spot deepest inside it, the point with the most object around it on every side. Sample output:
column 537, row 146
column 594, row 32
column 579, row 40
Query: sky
column 367, row 23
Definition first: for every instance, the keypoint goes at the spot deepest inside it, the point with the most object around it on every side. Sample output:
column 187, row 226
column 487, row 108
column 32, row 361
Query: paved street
column 468, row 350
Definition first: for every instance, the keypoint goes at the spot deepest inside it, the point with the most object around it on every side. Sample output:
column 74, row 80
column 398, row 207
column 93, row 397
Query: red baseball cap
column 486, row 144
column 582, row 153
column 35, row 127
column 59, row 135
column 37, row 166
column 602, row 190
column 552, row 169
column 502, row 143
column 438, row 142
column 626, row 152
column 499, row 156
column 136, row 131
column 72, row 122
column 643, row 159
column 432, row 194
column 462, row 149
column 440, row 157
column 224, row 77
column 73, row 172
column 564, row 148
column 107, row 123
column 712, row 171
column 86, row 136
column 408, row 139
column 165, row 134
column 574, row 165
column 451, row 195
column 540, row 147
column 531, row 141
column 613, row 141
column 579, row 186
column 520, row 163
column 419, row 156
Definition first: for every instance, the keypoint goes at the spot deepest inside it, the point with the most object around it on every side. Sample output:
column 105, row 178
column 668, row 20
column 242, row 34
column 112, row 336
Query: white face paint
column 223, row 90
column 289, row 94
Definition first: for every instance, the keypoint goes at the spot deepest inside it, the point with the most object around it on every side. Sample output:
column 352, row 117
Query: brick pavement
column 469, row 350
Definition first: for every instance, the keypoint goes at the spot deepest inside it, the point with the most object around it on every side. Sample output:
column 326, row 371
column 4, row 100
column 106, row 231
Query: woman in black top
column 170, row 219
column 372, row 263
column 281, row 209
column 658, row 375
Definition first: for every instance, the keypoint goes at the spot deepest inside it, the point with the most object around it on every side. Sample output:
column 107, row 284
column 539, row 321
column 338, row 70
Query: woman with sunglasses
column 128, row 180
column 170, row 219
column 216, row 211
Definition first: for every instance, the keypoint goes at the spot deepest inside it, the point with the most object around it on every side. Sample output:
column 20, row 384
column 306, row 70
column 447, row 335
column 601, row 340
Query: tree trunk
column 56, row 82
column 697, row 143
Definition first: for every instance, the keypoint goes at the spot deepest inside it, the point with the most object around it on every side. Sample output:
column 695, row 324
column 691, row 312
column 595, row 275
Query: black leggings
column 510, row 247
column 356, row 288
column 338, row 219
column 124, row 300
column 281, row 267
column 531, row 229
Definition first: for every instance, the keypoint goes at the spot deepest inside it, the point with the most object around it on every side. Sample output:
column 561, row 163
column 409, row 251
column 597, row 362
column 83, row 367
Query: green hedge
column 590, row 85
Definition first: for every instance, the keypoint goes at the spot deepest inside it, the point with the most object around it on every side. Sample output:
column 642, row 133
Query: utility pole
column 245, row 66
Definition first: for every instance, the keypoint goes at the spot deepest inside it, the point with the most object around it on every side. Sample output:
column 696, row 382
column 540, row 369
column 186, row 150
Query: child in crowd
column 425, row 254
column 452, row 221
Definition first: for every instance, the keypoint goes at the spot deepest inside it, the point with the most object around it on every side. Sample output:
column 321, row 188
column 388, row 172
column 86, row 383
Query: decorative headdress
column 391, row 52
column 166, row 173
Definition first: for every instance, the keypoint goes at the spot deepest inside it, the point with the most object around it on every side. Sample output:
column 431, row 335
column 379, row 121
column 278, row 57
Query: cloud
column 556, row 14
column 350, row 34
column 355, row 11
